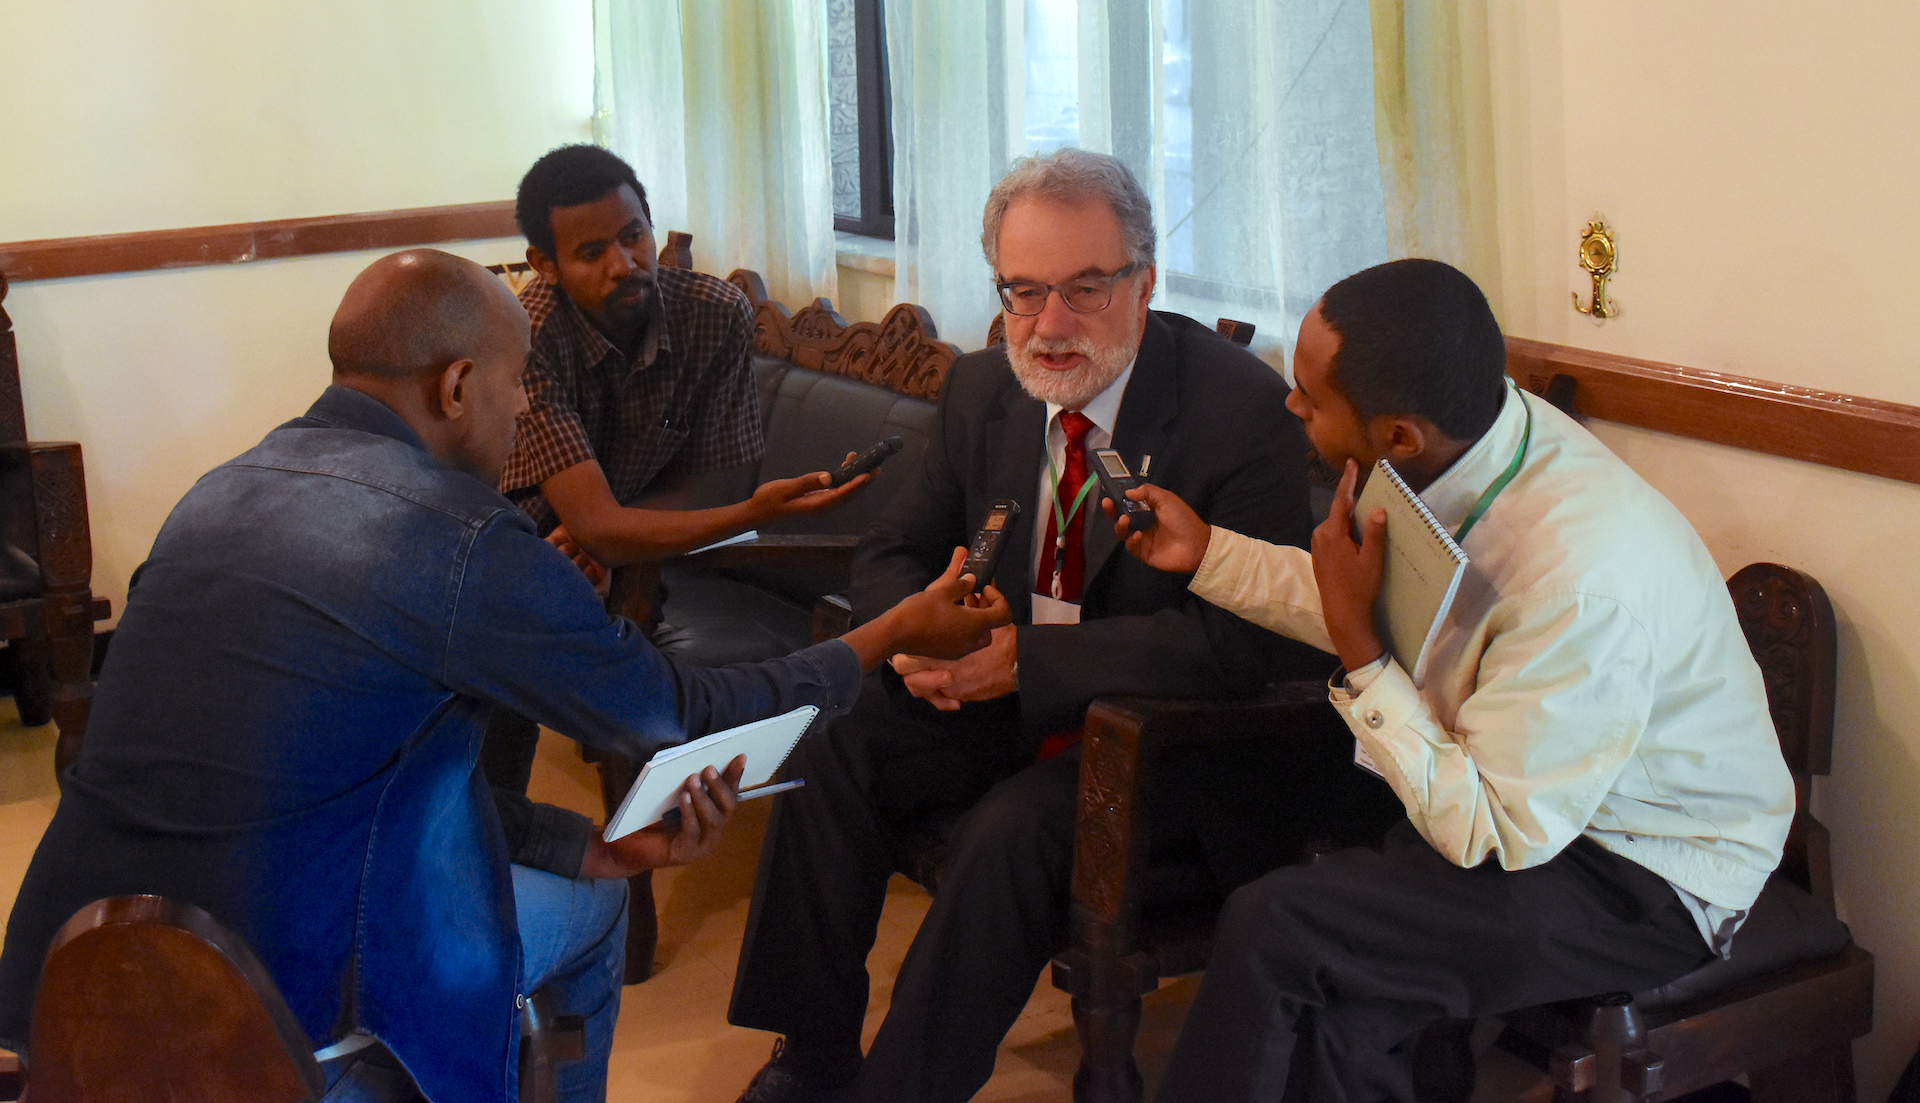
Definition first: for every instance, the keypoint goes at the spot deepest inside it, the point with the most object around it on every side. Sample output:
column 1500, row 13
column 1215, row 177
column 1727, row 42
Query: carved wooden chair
column 145, row 998
column 47, row 607
column 1783, row 1010
column 1785, row 1007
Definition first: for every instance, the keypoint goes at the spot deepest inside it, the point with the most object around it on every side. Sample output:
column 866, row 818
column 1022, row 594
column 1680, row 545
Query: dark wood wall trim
column 58, row 258
column 1838, row 430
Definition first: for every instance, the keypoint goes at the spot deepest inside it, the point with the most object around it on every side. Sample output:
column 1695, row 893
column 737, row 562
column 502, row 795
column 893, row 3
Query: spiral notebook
column 1423, row 570
column 766, row 743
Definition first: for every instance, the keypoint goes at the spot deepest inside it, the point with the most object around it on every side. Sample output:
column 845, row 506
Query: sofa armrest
column 781, row 552
column 832, row 617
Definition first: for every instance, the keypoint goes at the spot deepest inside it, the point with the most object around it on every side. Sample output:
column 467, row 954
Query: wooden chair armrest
column 1124, row 736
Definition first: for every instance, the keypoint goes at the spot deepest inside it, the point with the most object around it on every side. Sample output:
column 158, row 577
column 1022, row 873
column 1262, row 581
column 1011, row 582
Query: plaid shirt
column 686, row 403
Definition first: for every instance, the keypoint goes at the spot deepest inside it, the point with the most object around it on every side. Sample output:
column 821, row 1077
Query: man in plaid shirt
column 641, row 377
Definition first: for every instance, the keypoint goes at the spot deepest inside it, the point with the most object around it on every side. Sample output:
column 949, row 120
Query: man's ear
column 543, row 264
column 450, row 389
column 1402, row 438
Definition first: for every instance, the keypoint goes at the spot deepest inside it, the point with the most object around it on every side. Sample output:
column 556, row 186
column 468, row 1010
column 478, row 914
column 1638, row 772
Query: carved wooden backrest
column 149, row 998
column 1788, row 622
column 901, row 352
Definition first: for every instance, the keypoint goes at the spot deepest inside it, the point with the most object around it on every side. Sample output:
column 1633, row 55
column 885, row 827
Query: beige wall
column 146, row 116
column 1755, row 162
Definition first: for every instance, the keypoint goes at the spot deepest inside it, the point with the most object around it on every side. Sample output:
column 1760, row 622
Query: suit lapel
column 1146, row 411
column 1015, row 433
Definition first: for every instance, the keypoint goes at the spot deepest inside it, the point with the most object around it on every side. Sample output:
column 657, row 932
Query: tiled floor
column 674, row 1043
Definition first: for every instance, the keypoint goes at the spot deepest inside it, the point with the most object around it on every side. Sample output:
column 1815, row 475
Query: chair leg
column 546, row 1039
column 34, row 695
column 70, row 663
column 1106, row 988
column 617, row 774
column 1823, row 1076
column 1614, row 1063
column 1107, row 1072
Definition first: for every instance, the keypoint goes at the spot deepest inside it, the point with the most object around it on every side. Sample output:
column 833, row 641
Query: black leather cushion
column 816, row 419
column 1785, row 927
column 710, row 620
column 812, row 421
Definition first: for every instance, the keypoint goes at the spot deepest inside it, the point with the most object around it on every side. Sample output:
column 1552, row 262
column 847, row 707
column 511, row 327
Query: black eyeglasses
column 1082, row 294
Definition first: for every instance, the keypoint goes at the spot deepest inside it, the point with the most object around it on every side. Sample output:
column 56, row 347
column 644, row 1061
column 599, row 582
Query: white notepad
column 1423, row 569
column 766, row 744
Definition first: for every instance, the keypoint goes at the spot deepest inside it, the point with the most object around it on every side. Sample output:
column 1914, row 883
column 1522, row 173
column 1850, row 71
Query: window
column 861, row 137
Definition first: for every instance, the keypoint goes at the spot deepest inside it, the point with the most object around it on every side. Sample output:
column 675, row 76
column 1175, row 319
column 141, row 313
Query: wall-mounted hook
column 1597, row 256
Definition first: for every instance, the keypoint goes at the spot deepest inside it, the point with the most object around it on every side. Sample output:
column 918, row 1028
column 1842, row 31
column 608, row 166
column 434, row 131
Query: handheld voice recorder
column 1115, row 481
column 867, row 461
column 984, row 553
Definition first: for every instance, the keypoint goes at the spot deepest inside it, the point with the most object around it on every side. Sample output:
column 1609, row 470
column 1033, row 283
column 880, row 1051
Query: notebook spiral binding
column 1420, row 507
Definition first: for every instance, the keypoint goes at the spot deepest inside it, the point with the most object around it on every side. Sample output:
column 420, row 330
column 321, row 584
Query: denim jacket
column 286, row 728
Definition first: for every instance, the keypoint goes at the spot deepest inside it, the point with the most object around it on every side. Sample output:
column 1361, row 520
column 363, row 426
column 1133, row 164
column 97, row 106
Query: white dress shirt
column 1104, row 411
column 1591, row 677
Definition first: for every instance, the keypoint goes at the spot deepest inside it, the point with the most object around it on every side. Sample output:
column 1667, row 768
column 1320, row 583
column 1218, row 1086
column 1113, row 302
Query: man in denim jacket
column 286, row 731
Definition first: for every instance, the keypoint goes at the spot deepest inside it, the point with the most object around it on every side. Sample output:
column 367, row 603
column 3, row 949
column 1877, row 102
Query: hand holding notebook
column 1390, row 588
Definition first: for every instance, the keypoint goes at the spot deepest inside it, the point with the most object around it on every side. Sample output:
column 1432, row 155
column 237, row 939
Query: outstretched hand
column 1348, row 574
column 707, row 800
column 946, row 620
column 779, row 498
column 1178, row 540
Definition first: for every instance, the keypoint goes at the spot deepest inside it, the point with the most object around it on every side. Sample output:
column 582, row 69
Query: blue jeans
column 573, row 941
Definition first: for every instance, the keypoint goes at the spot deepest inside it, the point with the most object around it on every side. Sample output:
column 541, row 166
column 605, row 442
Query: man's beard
column 1074, row 388
column 627, row 312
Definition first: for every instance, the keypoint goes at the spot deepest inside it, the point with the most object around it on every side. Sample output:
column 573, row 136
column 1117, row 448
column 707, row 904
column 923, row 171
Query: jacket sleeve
column 528, row 632
column 1563, row 694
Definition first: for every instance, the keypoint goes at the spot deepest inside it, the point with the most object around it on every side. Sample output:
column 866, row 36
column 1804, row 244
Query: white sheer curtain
column 1249, row 122
column 721, row 108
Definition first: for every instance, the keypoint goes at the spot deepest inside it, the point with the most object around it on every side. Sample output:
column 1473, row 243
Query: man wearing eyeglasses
column 977, row 757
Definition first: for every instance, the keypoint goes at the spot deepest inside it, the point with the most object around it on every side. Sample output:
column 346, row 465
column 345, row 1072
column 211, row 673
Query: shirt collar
column 597, row 346
column 346, row 408
column 1450, row 496
column 1104, row 408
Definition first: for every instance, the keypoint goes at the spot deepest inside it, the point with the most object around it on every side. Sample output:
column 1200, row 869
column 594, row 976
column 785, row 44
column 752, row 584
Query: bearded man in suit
column 978, row 754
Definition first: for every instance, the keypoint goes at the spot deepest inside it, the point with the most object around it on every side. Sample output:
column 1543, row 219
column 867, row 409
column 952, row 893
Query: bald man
column 285, row 732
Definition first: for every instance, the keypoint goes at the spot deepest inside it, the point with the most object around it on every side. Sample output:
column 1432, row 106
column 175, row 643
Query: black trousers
column 1322, row 975
column 895, row 773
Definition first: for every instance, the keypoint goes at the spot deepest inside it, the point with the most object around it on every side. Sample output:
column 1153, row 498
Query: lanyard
column 1063, row 517
column 1499, row 484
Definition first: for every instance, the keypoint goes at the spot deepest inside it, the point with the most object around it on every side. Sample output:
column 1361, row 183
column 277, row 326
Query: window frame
column 873, row 88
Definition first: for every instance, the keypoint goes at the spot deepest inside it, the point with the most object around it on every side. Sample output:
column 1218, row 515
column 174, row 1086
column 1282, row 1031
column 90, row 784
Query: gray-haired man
column 968, row 753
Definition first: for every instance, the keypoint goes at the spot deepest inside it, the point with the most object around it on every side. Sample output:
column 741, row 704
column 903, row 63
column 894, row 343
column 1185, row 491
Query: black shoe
column 781, row 1081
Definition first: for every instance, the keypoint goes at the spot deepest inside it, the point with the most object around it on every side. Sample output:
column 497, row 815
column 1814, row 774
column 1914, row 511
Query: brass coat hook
column 1597, row 256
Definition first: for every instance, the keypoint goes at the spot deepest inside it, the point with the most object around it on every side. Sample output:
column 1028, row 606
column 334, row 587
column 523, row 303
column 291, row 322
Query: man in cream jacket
column 1594, row 790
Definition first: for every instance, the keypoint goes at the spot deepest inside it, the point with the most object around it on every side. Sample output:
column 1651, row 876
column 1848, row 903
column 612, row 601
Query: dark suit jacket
column 1213, row 417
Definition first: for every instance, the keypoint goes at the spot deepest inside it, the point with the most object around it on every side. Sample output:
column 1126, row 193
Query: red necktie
column 1066, row 556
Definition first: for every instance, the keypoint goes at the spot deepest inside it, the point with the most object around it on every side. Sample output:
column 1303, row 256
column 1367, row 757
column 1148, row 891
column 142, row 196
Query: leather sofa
column 826, row 388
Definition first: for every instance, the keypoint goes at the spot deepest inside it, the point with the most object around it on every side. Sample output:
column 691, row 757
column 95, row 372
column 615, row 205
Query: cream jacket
column 1591, row 677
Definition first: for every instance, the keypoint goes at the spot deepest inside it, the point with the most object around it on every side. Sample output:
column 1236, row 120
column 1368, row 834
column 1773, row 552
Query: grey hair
column 1073, row 175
